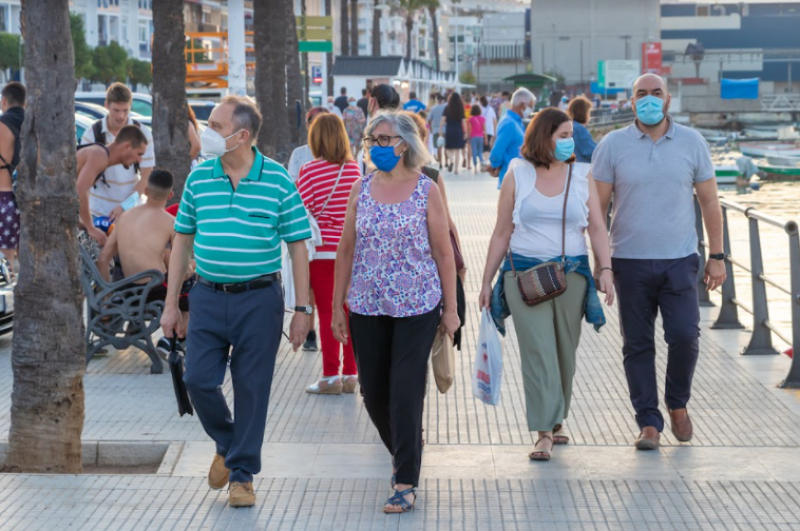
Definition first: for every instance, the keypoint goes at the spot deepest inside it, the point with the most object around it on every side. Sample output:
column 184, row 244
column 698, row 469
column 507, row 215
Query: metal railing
column 728, row 318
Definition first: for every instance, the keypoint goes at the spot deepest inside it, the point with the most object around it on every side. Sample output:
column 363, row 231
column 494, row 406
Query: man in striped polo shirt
column 235, row 211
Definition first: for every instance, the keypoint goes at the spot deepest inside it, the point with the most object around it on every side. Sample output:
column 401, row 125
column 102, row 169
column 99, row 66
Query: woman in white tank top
column 529, row 225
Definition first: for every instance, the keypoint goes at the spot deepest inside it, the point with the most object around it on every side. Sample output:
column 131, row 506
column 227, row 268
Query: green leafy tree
column 110, row 63
column 468, row 78
column 84, row 68
column 139, row 73
column 9, row 51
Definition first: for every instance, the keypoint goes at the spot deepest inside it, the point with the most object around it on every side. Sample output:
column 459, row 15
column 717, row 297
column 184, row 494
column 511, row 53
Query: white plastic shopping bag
column 488, row 370
column 287, row 278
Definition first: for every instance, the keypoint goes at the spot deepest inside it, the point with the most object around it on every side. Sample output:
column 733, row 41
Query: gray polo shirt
column 435, row 118
column 653, row 213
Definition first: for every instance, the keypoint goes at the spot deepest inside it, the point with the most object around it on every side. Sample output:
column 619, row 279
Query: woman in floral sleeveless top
column 396, row 268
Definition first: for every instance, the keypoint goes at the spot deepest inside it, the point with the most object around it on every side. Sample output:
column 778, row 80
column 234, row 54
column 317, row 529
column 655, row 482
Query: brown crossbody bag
column 547, row 280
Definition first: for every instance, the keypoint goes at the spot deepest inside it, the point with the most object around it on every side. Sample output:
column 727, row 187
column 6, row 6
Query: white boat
column 780, row 160
column 762, row 150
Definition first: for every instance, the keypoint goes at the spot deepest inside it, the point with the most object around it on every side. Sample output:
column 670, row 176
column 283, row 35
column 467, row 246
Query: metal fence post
column 761, row 340
column 702, row 292
column 793, row 378
column 728, row 318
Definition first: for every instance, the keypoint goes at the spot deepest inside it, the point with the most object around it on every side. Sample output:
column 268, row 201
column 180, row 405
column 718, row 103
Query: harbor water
column 782, row 200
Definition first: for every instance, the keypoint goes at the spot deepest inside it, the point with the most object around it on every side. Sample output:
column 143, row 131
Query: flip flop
column 541, row 455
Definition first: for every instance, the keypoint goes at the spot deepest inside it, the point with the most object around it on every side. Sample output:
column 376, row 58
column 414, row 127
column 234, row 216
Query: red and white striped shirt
column 315, row 184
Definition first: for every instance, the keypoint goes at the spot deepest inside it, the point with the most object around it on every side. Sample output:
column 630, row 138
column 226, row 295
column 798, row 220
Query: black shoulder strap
column 99, row 135
column 11, row 166
column 102, row 176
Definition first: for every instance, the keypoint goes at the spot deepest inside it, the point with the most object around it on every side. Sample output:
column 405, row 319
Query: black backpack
column 100, row 138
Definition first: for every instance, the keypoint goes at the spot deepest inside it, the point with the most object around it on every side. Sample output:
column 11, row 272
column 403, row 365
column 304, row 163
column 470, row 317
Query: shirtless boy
column 142, row 237
column 94, row 159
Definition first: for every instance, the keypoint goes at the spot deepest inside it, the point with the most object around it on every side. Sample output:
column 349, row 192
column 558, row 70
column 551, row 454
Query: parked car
column 82, row 123
column 142, row 103
column 90, row 110
column 202, row 109
column 6, row 299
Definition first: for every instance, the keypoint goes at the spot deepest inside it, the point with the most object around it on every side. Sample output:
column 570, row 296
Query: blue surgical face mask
column 564, row 149
column 352, row 103
column 384, row 158
column 650, row 110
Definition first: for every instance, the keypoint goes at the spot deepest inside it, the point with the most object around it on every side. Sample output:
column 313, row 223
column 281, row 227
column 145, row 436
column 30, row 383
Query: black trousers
column 643, row 288
column 392, row 356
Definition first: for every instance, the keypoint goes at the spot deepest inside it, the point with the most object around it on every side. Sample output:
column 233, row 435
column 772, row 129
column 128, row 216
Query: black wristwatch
column 720, row 256
column 308, row 310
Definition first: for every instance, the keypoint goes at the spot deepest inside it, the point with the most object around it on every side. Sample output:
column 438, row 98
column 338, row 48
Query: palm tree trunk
column 353, row 27
column 270, row 82
column 432, row 11
column 170, row 109
column 409, row 29
column 345, row 24
column 305, row 67
column 376, row 29
column 294, row 86
column 47, row 359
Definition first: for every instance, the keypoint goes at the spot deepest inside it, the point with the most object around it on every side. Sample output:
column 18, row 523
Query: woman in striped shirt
column 324, row 184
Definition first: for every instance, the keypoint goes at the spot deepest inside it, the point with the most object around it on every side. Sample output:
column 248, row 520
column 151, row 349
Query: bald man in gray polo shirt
column 652, row 169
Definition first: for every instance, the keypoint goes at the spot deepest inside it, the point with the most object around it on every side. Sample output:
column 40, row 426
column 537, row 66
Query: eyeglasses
column 381, row 140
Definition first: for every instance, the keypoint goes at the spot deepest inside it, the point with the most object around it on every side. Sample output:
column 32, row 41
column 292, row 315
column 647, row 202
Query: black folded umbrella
column 175, row 361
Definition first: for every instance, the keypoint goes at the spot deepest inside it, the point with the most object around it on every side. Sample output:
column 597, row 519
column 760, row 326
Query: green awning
column 528, row 80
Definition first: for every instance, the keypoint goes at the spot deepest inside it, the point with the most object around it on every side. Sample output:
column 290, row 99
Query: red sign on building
column 651, row 58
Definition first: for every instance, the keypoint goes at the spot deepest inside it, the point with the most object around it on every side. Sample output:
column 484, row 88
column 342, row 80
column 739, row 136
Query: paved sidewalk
column 324, row 467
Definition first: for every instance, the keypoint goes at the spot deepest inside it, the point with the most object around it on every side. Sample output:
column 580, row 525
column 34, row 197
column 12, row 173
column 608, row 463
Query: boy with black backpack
column 94, row 162
column 12, row 103
column 120, row 183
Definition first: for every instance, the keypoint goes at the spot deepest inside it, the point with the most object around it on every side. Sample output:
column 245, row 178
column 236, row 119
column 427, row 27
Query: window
column 4, row 19
column 142, row 107
column 102, row 30
column 702, row 10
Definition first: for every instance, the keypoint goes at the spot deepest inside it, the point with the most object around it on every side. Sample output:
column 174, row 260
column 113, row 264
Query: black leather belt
column 238, row 287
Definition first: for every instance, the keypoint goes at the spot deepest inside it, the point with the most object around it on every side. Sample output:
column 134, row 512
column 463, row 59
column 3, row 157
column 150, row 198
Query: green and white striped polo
column 238, row 232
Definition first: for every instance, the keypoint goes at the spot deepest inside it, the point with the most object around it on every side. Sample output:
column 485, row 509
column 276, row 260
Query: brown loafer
column 681, row 424
column 648, row 439
column 241, row 495
column 218, row 475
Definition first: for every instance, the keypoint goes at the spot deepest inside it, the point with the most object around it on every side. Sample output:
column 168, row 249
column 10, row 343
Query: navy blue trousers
column 643, row 288
column 251, row 323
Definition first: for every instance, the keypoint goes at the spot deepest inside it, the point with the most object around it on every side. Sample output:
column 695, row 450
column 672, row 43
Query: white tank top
column 537, row 218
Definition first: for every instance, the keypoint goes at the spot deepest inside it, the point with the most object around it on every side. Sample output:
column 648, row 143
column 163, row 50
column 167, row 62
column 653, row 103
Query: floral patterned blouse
column 394, row 273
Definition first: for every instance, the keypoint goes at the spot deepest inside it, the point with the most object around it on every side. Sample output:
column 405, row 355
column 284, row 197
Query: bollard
column 761, row 340
column 793, row 378
column 728, row 318
column 702, row 292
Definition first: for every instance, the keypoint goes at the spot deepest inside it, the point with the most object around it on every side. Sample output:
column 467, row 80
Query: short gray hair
column 522, row 95
column 245, row 114
column 416, row 156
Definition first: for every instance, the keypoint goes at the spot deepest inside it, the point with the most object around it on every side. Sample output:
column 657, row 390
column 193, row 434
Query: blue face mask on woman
column 384, row 158
column 564, row 149
column 650, row 110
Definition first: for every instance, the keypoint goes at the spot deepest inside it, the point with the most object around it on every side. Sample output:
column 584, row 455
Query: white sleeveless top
column 537, row 218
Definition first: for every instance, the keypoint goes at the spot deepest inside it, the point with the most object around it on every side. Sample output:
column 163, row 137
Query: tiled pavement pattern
column 134, row 503
column 614, row 488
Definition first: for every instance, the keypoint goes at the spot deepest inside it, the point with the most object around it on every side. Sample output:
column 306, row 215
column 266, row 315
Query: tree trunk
column 170, row 109
column 269, row 38
column 376, row 29
column 47, row 401
column 409, row 29
column 432, row 11
column 328, row 57
column 353, row 27
column 294, row 88
column 306, row 68
column 344, row 25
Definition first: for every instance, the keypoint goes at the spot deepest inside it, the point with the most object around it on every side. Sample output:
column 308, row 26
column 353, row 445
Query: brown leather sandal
column 541, row 455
